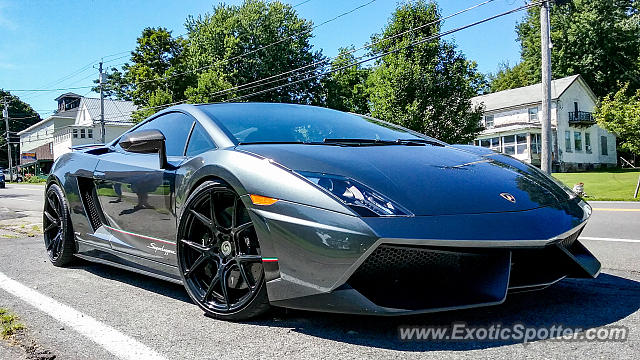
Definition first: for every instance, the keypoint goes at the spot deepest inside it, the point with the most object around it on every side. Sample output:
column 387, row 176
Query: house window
column 75, row 133
column 587, row 142
column 577, row 140
column 567, row 141
column 82, row 134
column 521, row 146
column 603, row 145
column 90, row 133
column 535, row 143
column 495, row 143
column 488, row 121
column 509, row 144
column 533, row 114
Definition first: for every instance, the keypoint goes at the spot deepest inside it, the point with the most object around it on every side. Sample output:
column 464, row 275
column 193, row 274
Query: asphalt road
column 159, row 316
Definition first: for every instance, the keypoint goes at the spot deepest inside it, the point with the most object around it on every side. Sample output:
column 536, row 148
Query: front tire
column 58, row 231
column 219, row 254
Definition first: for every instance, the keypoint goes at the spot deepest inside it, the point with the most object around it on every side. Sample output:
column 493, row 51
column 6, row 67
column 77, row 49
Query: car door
column 137, row 194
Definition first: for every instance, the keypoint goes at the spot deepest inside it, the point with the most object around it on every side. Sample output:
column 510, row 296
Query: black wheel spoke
column 198, row 247
column 225, row 291
column 54, row 207
column 54, row 241
column 199, row 261
column 51, row 226
column 243, row 273
column 209, row 291
column 203, row 219
column 234, row 214
column 50, row 217
column 242, row 228
column 59, row 243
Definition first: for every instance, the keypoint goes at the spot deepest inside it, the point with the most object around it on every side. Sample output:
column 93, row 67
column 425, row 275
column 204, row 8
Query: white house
column 77, row 122
column 512, row 125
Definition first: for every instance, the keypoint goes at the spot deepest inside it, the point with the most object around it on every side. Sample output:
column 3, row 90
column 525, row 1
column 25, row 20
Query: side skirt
column 128, row 262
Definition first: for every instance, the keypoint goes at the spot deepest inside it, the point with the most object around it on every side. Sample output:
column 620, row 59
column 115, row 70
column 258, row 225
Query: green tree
column 249, row 42
column 21, row 116
column 508, row 77
column 599, row 39
column 346, row 89
column 156, row 75
column 425, row 87
column 620, row 114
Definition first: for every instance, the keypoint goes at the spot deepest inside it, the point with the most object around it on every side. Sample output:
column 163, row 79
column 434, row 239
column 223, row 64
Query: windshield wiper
column 278, row 142
column 419, row 142
column 379, row 142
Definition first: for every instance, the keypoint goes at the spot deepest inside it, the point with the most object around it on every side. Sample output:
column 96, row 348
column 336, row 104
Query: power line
column 300, row 3
column 258, row 83
column 369, row 59
column 389, row 52
column 220, row 62
column 207, row 66
column 44, row 90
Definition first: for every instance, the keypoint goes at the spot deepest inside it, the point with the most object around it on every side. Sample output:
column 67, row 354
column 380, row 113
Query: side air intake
column 90, row 201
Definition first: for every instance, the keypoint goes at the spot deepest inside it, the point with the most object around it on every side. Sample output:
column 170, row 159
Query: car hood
column 426, row 180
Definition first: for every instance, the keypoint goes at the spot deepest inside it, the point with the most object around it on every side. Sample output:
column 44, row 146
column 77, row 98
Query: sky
column 56, row 44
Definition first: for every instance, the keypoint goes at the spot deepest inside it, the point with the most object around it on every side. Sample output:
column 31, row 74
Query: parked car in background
column 1, row 179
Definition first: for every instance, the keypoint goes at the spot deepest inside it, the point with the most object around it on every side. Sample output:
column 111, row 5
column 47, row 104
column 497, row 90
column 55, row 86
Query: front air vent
column 569, row 240
column 421, row 278
column 90, row 201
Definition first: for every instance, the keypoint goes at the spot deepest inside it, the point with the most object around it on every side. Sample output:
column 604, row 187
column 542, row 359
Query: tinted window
column 199, row 141
column 255, row 122
column 175, row 127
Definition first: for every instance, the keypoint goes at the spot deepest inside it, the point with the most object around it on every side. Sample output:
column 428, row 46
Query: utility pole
column 5, row 114
column 545, row 34
column 102, row 130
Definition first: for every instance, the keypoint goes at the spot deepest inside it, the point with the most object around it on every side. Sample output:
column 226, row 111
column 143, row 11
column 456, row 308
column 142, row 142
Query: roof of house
column 524, row 95
column 69, row 94
column 69, row 114
column 116, row 112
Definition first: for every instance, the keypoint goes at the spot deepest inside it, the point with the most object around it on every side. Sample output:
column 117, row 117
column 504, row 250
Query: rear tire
column 219, row 255
column 58, row 232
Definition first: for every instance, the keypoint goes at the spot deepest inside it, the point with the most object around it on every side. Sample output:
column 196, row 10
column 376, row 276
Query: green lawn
column 612, row 184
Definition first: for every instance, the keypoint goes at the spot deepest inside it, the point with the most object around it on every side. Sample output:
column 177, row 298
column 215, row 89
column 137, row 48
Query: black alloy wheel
column 219, row 254
column 58, row 233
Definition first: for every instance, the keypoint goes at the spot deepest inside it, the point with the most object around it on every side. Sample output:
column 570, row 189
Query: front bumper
column 338, row 263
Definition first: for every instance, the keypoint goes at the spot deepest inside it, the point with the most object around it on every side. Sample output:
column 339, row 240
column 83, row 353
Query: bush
column 34, row 179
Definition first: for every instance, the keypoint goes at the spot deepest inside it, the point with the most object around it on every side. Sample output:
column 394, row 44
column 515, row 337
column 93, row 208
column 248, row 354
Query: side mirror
column 146, row 142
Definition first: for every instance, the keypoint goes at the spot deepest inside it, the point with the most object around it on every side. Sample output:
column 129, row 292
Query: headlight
column 360, row 198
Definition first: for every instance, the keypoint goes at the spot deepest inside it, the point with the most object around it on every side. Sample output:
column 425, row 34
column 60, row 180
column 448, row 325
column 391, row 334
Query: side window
column 175, row 127
column 199, row 141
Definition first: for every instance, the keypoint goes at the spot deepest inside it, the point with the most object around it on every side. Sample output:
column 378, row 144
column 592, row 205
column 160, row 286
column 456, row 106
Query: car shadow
column 574, row 303
column 161, row 287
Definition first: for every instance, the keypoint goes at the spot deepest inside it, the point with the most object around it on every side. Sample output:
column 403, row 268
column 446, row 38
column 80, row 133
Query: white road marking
column 113, row 341
column 609, row 239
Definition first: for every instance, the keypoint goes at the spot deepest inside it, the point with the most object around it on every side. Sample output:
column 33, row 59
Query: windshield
column 266, row 123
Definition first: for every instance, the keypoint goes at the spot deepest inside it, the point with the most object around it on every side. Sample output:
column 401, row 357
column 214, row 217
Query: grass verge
column 610, row 184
